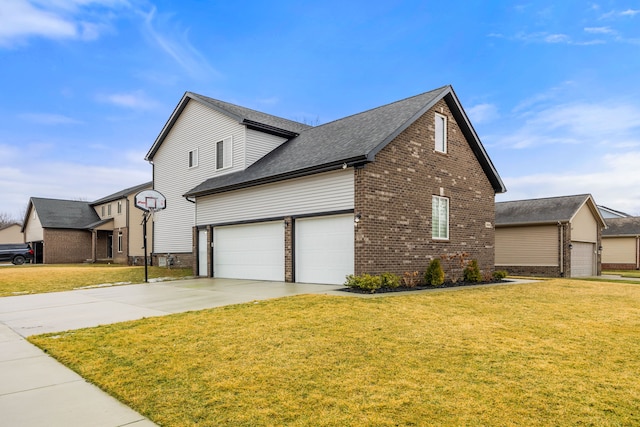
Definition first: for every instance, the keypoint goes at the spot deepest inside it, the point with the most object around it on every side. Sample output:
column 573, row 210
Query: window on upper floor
column 440, row 218
column 441, row 133
column 119, row 207
column 193, row 158
column 224, row 155
column 102, row 211
column 109, row 209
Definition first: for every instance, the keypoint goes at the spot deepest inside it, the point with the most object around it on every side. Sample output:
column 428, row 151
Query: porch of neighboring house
column 102, row 243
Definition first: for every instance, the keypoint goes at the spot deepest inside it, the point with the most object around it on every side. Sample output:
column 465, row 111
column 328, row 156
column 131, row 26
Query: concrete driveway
column 36, row 390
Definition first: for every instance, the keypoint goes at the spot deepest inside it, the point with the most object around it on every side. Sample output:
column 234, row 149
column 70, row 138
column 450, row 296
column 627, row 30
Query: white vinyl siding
column 324, row 249
column 527, row 246
column 619, row 250
column 249, row 251
column 441, row 133
column 260, row 144
column 197, row 127
column 439, row 218
column 330, row 191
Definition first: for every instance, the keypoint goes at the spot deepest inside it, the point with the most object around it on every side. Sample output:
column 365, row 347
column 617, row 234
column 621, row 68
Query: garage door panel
column 324, row 249
column 250, row 251
column 582, row 259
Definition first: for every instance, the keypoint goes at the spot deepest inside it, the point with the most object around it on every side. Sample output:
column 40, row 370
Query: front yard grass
column 559, row 352
column 38, row 278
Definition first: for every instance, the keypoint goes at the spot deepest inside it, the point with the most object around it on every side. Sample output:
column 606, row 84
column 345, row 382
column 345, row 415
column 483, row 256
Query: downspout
column 561, row 228
column 637, row 252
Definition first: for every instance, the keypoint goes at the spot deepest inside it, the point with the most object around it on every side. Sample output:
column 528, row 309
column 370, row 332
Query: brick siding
column 394, row 195
column 66, row 246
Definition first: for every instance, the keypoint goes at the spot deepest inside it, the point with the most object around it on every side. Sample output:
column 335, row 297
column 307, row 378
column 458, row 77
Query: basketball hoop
column 150, row 201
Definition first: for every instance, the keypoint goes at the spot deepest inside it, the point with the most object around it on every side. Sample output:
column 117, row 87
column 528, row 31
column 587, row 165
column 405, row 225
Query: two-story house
column 72, row 231
column 254, row 196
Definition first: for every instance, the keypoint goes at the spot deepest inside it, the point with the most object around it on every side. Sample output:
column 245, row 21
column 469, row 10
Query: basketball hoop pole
column 144, row 232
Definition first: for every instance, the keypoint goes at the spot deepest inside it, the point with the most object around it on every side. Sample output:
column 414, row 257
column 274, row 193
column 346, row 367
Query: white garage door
column 250, row 251
column 324, row 249
column 582, row 259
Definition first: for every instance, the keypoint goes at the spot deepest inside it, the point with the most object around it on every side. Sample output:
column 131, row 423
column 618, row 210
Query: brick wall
column 66, row 246
column 394, row 195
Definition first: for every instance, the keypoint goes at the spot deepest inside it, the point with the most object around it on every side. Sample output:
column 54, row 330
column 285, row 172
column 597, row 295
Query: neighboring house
column 70, row 231
column 59, row 230
column 11, row 233
column 119, row 235
column 611, row 213
column 254, row 196
column 554, row 237
column 621, row 244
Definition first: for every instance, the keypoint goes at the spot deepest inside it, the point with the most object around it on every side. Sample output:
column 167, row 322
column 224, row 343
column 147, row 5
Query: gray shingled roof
column 122, row 193
column 351, row 140
column 70, row 214
column 629, row 226
column 548, row 210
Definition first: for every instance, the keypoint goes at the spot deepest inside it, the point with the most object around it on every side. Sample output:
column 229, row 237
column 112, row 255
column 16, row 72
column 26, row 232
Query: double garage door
column 324, row 250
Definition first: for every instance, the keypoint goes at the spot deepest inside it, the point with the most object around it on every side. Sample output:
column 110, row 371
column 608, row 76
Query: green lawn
column 38, row 278
column 559, row 352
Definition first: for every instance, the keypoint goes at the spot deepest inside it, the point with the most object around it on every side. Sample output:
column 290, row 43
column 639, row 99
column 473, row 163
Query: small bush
column 471, row 272
column 390, row 280
column 434, row 275
column 410, row 279
column 499, row 274
column 365, row 281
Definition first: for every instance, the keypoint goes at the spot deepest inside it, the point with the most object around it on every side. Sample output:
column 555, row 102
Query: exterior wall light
column 356, row 219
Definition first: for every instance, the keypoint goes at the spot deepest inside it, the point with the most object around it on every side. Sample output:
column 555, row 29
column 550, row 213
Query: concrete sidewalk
column 36, row 390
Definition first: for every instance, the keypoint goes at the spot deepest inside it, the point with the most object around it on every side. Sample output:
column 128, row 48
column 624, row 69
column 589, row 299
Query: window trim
column 436, row 210
column 440, row 137
column 119, row 207
column 227, row 154
column 193, row 158
column 119, row 241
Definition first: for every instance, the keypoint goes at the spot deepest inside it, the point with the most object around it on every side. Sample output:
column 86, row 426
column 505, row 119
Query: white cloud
column 611, row 122
column 482, row 113
column 52, row 19
column 630, row 12
column 615, row 183
column 177, row 46
column 136, row 100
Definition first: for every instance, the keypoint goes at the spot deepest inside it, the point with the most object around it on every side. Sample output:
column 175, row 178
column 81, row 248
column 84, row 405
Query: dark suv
column 17, row 253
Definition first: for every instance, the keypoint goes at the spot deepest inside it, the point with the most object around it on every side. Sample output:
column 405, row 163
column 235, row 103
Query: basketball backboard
column 150, row 200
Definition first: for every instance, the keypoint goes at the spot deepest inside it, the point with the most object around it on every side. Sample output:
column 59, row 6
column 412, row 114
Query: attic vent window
column 193, row 158
column 441, row 133
column 224, row 155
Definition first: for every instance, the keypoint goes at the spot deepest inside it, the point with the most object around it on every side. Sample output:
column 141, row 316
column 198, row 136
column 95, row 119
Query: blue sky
column 551, row 89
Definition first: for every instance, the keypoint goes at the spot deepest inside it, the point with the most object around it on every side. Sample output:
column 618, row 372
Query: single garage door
column 324, row 249
column 249, row 251
column 582, row 259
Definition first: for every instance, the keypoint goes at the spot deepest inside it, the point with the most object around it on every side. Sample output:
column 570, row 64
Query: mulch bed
column 419, row 288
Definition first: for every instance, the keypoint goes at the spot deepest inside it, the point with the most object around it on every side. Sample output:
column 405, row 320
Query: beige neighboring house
column 552, row 237
column 11, row 233
column 118, row 235
column 621, row 244
column 71, row 231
